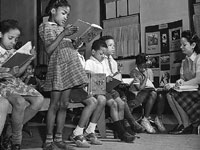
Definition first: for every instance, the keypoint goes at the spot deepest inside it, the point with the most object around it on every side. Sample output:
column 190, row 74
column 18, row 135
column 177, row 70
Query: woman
column 186, row 105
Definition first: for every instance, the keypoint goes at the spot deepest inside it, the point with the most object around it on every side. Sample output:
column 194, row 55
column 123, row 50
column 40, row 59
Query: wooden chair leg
column 101, row 125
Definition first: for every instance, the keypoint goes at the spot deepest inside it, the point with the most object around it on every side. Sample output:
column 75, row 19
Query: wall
column 153, row 12
column 25, row 12
column 87, row 10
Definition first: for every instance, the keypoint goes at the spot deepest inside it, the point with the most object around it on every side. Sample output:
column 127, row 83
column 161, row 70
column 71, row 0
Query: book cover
column 112, row 84
column 186, row 88
column 86, row 31
column 97, row 84
column 19, row 57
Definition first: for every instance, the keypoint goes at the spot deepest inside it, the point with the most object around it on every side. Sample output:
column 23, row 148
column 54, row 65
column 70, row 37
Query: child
column 146, row 93
column 113, row 69
column 92, row 111
column 64, row 69
column 4, row 105
column 96, row 65
column 29, row 77
column 13, row 88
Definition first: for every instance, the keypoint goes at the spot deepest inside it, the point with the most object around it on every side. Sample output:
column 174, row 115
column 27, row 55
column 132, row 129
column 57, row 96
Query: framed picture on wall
column 174, row 38
column 152, row 42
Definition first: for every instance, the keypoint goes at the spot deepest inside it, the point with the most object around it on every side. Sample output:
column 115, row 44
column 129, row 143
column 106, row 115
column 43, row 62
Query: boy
column 93, row 109
column 112, row 68
column 96, row 65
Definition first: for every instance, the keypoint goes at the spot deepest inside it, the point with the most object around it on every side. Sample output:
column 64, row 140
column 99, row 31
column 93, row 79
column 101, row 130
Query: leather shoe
column 187, row 130
column 177, row 129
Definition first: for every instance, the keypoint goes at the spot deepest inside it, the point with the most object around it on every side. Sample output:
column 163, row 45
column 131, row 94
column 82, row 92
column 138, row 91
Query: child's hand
column 108, row 79
column 33, row 53
column 14, row 70
column 77, row 43
column 70, row 29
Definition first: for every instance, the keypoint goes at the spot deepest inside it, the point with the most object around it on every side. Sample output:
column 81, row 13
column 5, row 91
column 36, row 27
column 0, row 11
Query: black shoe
column 6, row 143
column 187, row 130
column 16, row 147
column 178, row 128
column 126, row 137
column 136, row 127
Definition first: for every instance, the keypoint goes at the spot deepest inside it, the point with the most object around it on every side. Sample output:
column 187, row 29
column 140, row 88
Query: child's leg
column 113, row 109
column 4, row 104
column 120, row 105
column 160, row 110
column 149, row 103
column 77, row 137
column 101, row 102
column 36, row 103
column 18, row 106
column 51, row 115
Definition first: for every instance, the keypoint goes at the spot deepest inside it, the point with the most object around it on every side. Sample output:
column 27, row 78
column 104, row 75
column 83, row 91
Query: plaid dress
column 10, row 84
column 189, row 100
column 64, row 69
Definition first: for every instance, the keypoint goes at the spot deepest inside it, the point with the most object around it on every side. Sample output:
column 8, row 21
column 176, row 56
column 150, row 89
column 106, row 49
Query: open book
column 19, row 57
column 186, row 88
column 86, row 31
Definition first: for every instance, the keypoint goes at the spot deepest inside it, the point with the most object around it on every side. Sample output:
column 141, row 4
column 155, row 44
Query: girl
column 64, row 69
column 185, row 105
column 12, row 88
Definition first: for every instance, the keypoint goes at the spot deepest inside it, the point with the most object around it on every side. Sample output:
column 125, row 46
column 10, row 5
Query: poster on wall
column 153, row 42
column 165, row 62
column 164, row 78
column 174, row 38
column 164, row 41
column 154, row 64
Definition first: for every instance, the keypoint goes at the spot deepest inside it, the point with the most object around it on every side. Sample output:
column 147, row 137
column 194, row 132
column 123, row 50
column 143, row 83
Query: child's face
column 29, row 70
column 142, row 67
column 99, row 54
column 111, row 47
column 60, row 15
column 10, row 38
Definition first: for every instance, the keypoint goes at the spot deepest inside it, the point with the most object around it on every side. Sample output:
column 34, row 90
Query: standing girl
column 13, row 89
column 64, row 69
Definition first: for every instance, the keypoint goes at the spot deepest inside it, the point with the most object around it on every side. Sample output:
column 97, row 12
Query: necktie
column 110, row 65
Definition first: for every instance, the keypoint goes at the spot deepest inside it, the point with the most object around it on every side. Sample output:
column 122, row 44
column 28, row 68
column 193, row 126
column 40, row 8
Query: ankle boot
column 122, row 133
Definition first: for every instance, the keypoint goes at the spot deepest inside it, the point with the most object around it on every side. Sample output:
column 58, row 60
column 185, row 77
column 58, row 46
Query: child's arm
column 69, row 30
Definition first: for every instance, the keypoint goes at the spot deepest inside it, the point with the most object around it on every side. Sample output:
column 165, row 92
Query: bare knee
column 112, row 104
column 4, row 104
column 18, row 103
column 101, row 100
column 92, row 102
column 38, row 102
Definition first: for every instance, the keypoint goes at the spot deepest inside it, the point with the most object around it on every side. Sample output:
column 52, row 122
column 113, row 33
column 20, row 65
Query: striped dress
column 64, row 68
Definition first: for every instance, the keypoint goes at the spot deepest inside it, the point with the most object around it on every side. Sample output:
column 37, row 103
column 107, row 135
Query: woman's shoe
column 178, row 128
column 187, row 130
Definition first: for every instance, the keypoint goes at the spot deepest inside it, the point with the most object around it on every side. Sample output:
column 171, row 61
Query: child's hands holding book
column 70, row 29
column 179, row 82
column 14, row 70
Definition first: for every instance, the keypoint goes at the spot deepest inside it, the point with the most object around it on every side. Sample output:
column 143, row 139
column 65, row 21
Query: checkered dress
column 190, row 102
column 64, row 69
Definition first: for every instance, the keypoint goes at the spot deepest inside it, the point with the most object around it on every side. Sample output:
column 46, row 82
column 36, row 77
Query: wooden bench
column 101, row 124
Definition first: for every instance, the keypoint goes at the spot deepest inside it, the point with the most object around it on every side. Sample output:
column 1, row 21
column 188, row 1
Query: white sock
column 78, row 131
column 91, row 128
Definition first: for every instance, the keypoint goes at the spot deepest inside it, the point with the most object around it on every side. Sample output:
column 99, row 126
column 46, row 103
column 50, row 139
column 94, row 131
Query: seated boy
column 146, row 93
column 96, row 65
column 113, row 69
column 92, row 111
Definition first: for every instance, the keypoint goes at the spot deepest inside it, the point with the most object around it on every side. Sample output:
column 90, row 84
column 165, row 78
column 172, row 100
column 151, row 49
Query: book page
column 25, row 49
column 86, row 31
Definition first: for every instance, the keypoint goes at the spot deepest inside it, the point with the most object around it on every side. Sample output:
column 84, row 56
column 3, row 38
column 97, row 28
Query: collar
column 2, row 50
column 52, row 23
column 94, row 59
column 193, row 56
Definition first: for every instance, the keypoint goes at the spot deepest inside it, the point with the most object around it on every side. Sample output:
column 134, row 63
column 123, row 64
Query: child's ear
column 53, row 11
column 193, row 45
column 93, row 51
